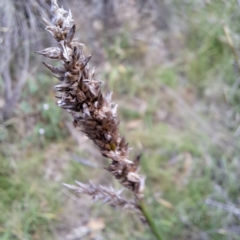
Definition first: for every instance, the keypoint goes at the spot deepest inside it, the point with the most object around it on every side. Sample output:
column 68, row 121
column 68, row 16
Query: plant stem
column 150, row 220
column 231, row 45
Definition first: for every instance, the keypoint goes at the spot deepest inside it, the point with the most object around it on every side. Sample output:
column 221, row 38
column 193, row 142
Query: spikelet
column 80, row 94
column 106, row 195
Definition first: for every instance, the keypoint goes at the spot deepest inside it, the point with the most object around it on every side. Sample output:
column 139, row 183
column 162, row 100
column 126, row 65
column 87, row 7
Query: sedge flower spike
column 80, row 94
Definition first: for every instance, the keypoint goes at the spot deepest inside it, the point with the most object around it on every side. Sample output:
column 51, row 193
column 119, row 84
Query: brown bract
column 80, row 94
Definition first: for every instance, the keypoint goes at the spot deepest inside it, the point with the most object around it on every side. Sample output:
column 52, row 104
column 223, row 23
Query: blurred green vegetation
column 183, row 115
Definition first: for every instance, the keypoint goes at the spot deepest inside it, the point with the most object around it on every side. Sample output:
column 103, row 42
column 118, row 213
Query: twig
column 84, row 161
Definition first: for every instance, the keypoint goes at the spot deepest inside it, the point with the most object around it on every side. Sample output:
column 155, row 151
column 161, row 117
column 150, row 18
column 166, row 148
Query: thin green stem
column 150, row 220
column 231, row 45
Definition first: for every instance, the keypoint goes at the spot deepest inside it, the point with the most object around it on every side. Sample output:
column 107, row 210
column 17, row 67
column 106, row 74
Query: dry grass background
column 173, row 72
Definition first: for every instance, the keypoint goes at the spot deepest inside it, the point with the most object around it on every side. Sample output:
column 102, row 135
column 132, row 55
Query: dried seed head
column 106, row 195
column 93, row 113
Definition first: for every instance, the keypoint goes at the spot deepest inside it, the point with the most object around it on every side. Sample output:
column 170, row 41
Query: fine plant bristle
column 106, row 195
column 80, row 94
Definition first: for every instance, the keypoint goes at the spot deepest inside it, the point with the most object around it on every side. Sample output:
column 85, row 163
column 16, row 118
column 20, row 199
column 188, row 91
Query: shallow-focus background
column 173, row 67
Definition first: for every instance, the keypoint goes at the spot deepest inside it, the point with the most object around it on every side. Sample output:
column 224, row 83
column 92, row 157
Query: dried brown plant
column 93, row 113
column 107, row 195
column 80, row 94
